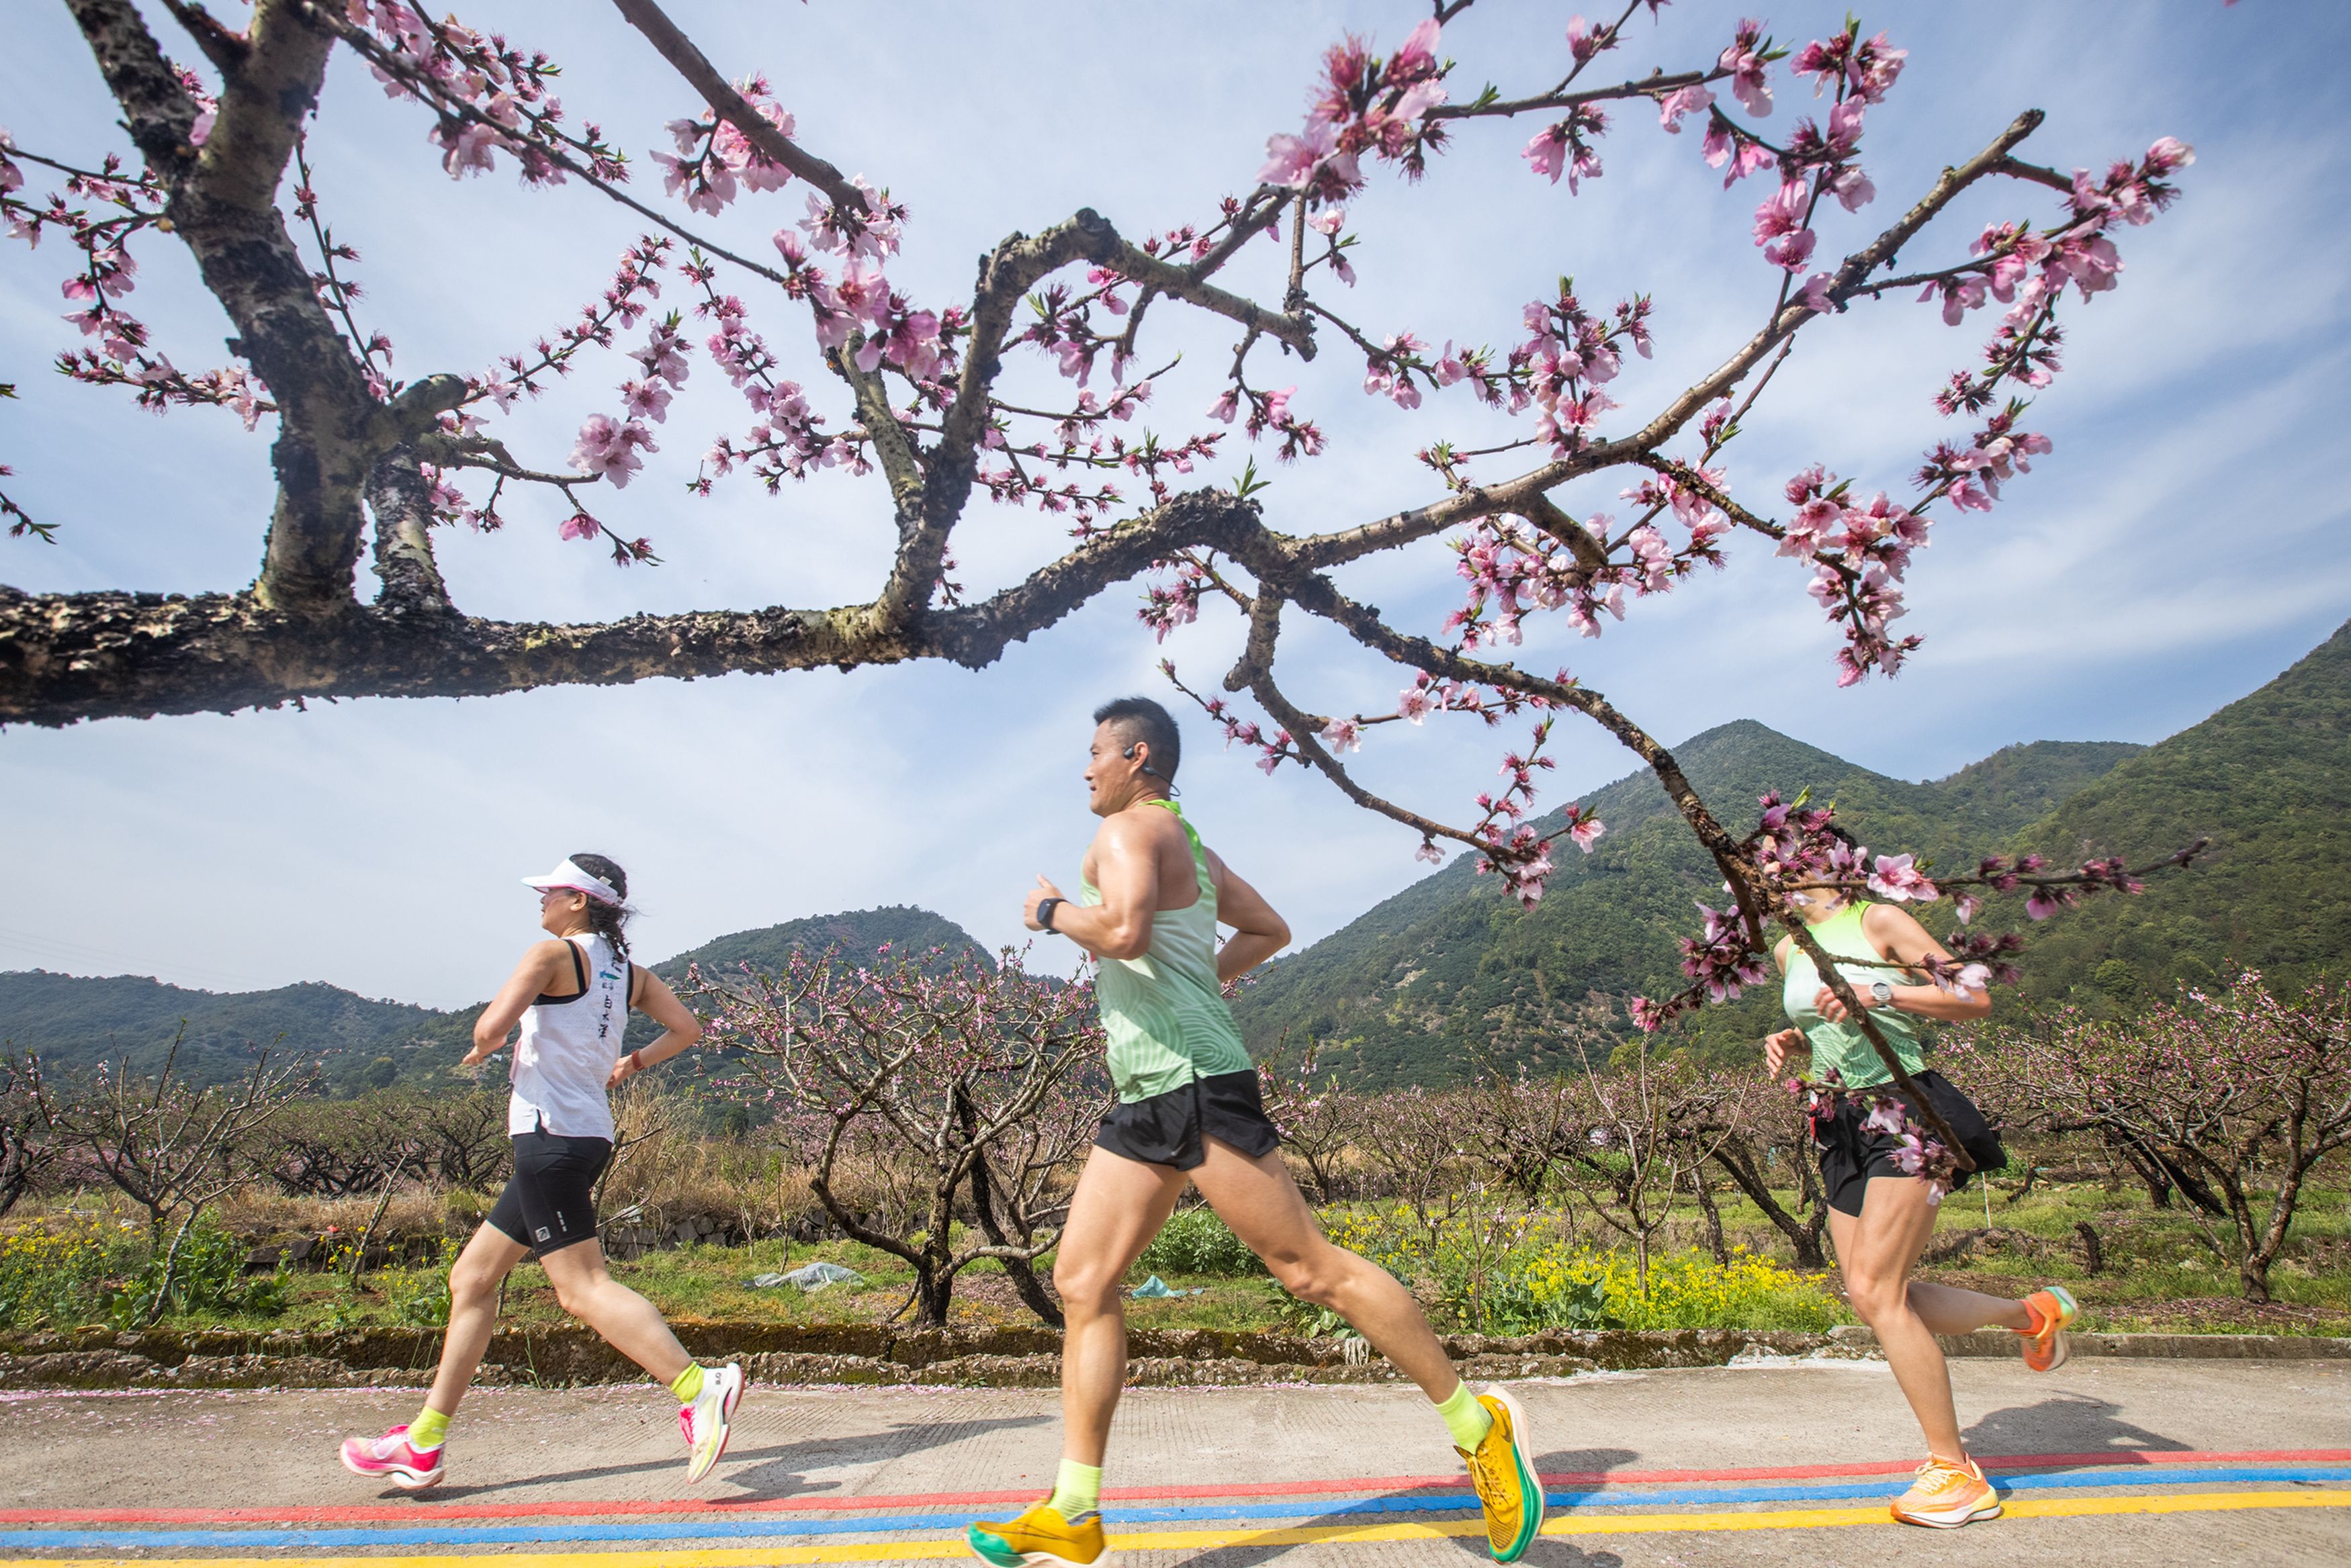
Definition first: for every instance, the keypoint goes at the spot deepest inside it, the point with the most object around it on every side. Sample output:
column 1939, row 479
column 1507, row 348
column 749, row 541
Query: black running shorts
column 1852, row 1154
column 1167, row 1129
column 550, row 1202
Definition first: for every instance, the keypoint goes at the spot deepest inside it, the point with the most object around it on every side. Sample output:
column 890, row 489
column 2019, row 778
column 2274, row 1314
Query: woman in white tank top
column 571, row 995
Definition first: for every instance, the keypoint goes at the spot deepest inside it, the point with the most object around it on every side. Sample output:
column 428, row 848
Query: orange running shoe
column 1946, row 1495
column 2052, row 1309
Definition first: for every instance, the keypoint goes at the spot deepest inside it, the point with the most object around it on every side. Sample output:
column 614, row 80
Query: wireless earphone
column 1128, row 755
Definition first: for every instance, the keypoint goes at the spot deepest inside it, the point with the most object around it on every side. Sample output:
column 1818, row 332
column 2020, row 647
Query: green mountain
column 2267, row 779
column 74, row 1021
column 1450, row 969
column 1448, row 972
column 78, row 1023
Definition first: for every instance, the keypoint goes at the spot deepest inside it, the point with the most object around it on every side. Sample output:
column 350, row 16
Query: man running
column 1151, row 896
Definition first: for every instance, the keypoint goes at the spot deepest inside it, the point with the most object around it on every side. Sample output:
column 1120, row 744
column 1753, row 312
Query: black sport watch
column 1045, row 907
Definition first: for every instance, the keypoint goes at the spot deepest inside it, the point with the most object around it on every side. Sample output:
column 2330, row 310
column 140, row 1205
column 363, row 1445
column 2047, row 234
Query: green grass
column 2159, row 1275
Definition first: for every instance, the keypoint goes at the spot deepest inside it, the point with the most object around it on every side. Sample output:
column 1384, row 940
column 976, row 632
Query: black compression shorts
column 550, row 1202
column 1850, row 1154
column 1167, row 1129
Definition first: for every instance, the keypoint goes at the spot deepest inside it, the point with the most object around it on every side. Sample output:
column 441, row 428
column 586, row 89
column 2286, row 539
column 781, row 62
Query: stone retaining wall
column 999, row 1357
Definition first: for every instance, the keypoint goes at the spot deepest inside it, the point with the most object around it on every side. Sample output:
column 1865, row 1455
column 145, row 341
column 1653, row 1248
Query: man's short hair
column 1141, row 719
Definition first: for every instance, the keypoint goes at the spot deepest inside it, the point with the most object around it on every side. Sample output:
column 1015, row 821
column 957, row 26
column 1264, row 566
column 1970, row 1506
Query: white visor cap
column 569, row 876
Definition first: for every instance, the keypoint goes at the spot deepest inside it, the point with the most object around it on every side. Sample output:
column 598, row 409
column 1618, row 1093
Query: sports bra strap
column 578, row 976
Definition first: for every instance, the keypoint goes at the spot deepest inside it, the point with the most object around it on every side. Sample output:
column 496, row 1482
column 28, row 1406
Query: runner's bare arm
column 530, row 978
column 1127, row 869
column 680, row 1029
column 1781, row 1044
column 1257, row 932
column 1898, row 935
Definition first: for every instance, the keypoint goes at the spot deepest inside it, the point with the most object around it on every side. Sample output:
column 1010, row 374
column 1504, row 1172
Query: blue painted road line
column 778, row 1528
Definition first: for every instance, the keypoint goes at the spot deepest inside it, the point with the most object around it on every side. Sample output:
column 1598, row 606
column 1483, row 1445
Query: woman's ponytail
column 609, row 921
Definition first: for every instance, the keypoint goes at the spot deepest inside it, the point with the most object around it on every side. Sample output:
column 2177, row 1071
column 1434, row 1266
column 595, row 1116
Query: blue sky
column 2182, row 544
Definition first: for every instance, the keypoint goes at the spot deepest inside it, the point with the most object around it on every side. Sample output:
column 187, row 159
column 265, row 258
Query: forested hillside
column 1450, row 969
column 1448, row 973
column 2269, row 779
column 76, row 1023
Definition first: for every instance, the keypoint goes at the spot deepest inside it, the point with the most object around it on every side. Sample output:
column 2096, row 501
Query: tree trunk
column 359, row 1254
column 18, row 1156
column 1706, row 1204
column 2253, row 1263
column 2283, row 1204
column 934, row 1292
column 2190, row 1186
column 1032, row 1290
column 2150, row 1174
column 2094, row 1253
column 1738, row 1159
column 170, row 1267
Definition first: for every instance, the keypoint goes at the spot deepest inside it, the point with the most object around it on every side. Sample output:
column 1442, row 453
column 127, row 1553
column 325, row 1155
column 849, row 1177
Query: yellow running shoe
column 1946, row 1495
column 2053, row 1308
column 1503, row 1471
column 1039, row 1535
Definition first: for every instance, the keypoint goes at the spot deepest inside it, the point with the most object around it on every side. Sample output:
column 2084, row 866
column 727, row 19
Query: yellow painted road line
column 1201, row 1539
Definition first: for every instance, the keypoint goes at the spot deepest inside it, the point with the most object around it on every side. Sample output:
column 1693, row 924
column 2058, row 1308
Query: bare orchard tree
column 172, row 1146
column 1320, row 1122
column 2248, row 1091
column 1521, row 1127
column 1411, row 1139
column 339, row 1148
column 976, row 1076
column 27, row 1126
column 838, row 368
column 1750, row 1131
column 465, row 1133
column 1645, row 1115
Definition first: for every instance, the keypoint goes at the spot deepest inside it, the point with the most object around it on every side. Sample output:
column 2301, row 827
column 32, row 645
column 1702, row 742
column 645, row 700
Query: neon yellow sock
column 428, row 1430
column 689, row 1386
column 1465, row 1418
column 1077, row 1489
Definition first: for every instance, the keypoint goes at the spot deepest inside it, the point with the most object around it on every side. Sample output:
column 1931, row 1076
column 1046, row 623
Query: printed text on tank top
column 579, row 982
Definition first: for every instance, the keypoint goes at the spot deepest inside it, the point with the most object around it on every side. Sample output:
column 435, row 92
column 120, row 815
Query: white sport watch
column 1881, row 993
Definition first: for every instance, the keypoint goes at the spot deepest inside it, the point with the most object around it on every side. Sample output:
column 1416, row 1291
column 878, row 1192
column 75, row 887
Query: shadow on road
column 782, row 1472
column 2065, row 1424
column 779, row 1472
column 1547, row 1552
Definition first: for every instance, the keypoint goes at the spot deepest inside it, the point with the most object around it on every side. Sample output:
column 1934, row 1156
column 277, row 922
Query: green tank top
column 1841, row 1045
column 1163, row 1014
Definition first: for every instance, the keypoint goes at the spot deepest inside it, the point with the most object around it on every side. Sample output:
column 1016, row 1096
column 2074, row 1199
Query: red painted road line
column 419, row 1512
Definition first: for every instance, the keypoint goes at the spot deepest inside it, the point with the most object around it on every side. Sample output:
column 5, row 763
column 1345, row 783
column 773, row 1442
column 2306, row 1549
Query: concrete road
column 2107, row 1461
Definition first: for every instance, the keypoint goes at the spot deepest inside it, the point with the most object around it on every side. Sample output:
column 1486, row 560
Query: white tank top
column 568, row 1047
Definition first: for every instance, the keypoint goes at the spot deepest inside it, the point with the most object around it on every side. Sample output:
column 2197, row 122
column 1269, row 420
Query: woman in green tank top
column 1879, row 1217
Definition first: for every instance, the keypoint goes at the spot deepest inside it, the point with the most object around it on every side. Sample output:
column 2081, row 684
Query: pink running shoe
column 709, row 1421
column 388, row 1458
